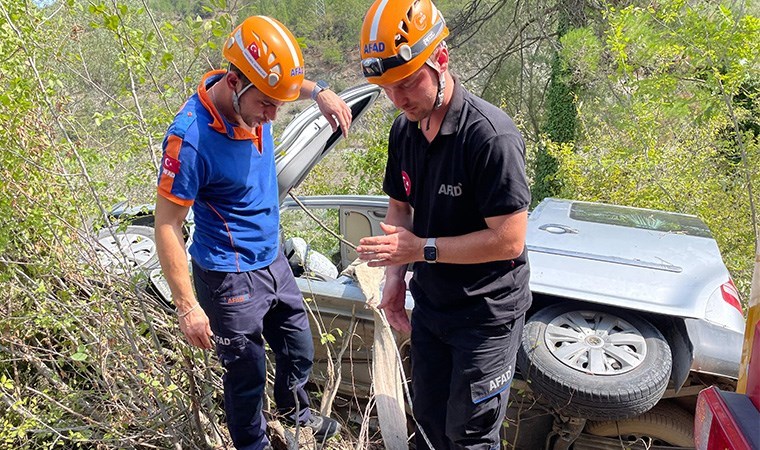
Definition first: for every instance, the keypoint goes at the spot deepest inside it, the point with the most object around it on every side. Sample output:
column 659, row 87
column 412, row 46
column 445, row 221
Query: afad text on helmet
column 374, row 47
column 296, row 71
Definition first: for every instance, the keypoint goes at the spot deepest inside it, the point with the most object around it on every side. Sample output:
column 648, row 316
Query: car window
column 639, row 218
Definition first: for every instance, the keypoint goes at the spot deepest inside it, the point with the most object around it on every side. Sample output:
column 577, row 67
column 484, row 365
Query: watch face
column 430, row 254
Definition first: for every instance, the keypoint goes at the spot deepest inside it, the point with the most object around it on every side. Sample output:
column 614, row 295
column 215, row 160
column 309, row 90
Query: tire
column 591, row 363
column 663, row 425
column 159, row 287
column 123, row 251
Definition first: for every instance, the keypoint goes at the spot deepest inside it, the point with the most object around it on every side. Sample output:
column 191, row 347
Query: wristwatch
column 430, row 251
column 319, row 86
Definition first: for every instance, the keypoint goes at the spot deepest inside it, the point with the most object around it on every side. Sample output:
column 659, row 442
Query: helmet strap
column 236, row 98
column 439, row 96
column 236, row 102
column 441, row 90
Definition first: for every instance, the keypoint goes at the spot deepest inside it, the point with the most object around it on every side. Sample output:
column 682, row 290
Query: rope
column 404, row 381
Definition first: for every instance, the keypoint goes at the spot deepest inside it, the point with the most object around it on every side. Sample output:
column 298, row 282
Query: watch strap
column 319, row 86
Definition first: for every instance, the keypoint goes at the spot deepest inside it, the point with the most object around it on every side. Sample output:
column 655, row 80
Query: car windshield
column 639, row 218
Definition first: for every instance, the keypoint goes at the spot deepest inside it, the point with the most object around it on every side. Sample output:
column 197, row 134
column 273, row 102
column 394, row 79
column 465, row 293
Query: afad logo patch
column 407, row 183
column 171, row 166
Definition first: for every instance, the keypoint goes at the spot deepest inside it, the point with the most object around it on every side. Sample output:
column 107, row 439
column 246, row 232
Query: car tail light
column 731, row 295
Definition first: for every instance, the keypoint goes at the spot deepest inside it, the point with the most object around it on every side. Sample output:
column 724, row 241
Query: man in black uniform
column 458, row 210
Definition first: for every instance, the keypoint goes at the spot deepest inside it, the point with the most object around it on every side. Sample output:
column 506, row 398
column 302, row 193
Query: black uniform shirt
column 473, row 169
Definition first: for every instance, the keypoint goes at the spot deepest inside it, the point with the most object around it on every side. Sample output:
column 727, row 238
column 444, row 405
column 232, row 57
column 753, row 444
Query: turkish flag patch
column 253, row 49
column 407, row 183
column 171, row 164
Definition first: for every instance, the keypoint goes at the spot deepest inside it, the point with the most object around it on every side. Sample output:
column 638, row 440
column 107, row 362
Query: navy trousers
column 460, row 378
column 244, row 309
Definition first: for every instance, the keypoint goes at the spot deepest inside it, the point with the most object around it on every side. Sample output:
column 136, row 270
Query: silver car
column 634, row 311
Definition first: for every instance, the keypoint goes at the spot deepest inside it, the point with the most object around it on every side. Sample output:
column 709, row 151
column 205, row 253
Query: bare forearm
column 170, row 245
column 503, row 239
column 478, row 247
column 306, row 88
column 400, row 215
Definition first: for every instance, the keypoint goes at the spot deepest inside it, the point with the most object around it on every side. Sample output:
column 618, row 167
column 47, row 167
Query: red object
column 407, row 182
column 728, row 420
column 731, row 294
column 253, row 49
column 171, row 164
column 753, row 380
column 716, row 428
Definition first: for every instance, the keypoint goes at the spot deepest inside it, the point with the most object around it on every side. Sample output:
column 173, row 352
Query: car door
column 309, row 137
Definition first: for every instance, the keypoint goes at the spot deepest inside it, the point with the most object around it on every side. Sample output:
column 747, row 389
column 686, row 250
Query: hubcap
column 596, row 343
column 127, row 251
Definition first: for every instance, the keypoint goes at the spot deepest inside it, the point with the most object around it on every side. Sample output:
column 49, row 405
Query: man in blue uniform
column 458, row 211
column 219, row 159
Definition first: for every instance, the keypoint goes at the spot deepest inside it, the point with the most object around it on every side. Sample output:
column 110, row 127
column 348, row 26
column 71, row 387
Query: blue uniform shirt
column 228, row 175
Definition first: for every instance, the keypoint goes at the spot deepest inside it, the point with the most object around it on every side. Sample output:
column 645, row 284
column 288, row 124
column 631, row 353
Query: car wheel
column 159, row 287
column 122, row 251
column 594, row 364
column 663, row 425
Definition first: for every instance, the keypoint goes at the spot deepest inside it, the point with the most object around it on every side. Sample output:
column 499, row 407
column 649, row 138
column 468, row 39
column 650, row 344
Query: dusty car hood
column 642, row 259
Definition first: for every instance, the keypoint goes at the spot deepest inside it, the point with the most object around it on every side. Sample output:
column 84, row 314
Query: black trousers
column 461, row 377
column 244, row 309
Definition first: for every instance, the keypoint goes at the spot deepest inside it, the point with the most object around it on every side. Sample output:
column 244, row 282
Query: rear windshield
column 639, row 218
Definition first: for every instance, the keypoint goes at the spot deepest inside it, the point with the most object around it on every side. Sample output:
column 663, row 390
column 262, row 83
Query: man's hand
column 196, row 328
column 393, row 303
column 335, row 110
column 398, row 246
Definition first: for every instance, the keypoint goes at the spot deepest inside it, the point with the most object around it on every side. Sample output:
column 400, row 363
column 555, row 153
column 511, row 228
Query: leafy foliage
column 670, row 82
column 561, row 121
column 85, row 356
column 666, row 97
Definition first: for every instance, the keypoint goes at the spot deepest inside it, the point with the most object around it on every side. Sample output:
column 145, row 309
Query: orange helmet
column 398, row 36
column 269, row 56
